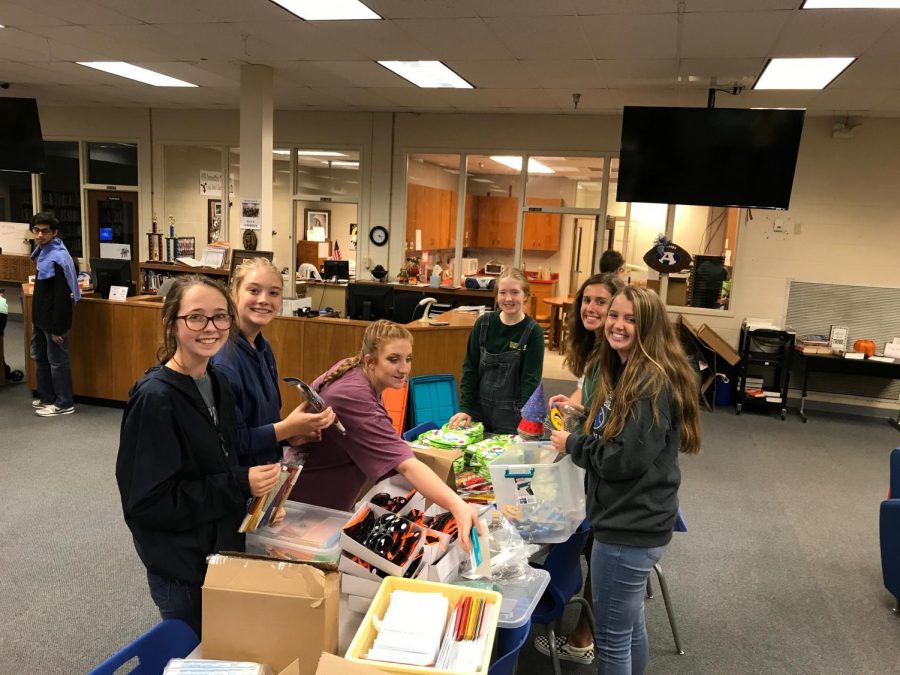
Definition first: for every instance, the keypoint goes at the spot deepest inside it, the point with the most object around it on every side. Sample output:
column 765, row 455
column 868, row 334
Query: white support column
column 256, row 152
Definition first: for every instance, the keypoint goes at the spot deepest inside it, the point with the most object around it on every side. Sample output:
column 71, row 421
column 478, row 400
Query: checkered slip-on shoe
column 582, row 655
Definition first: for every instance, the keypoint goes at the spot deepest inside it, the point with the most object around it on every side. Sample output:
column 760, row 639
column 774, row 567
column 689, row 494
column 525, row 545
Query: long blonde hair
column 376, row 335
column 657, row 361
column 252, row 265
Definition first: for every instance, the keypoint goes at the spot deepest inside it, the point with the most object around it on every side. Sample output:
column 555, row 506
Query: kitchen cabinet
column 496, row 222
column 430, row 211
column 541, row 230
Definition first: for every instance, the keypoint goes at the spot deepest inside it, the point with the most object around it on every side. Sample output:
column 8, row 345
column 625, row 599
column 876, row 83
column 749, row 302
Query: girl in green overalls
column 503, row 362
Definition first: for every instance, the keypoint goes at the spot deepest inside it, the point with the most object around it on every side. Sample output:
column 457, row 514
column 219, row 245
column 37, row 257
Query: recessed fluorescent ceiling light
column 534, row 166
column 850, row 4
column 320, row 153
column 482, row 180
column 351, row 165
column 327, row 10
column 427, row 74
column 801, row 73
column 123, row 69
column 281, row 152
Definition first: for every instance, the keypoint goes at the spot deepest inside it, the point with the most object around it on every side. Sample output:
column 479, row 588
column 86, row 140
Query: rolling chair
column 889, row 532
column 170, row 639
column 564, row 565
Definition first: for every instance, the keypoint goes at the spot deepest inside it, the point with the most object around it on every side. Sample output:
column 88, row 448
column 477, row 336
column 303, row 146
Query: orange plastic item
column 867, row 347
column 395, row 403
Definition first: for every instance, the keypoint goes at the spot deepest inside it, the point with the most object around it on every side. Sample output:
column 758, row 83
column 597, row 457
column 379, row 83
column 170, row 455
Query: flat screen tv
column 709, row 156
column 21, row 142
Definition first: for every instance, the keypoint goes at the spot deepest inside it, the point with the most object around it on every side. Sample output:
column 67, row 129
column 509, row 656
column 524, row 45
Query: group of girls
column 639, row 393
column 202, row 432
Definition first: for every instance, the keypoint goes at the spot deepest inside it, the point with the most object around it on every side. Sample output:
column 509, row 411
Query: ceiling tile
column 738, row 5
column 592, row 7
column 632, row 72
column 833, row 33
column 433, row 9
column 76, row 11
column 510, row 100
column 243, row 10
column 655, row 96
column 615, row 36
column 731, row 34
column 416, row 98
column 378, row 40
column 592, row 100
column 870, row 73
column 78, row 43
column 492, row 74
column 299, row 40
column 890, row 106
column 545, row 38
column 848, row 100
column 519, row 8
column 24, row 16
column 157, row 12
column 725, row 71
column 563, row 74
column 456, row 39
column 358, row 97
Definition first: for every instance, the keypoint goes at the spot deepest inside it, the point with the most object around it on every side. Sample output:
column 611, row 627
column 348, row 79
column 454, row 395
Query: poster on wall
column 211, row 183
column 250, row 219
column 213, row 220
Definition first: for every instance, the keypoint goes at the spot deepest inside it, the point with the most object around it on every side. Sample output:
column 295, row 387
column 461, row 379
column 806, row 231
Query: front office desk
column 113, row 343
column 827, row 363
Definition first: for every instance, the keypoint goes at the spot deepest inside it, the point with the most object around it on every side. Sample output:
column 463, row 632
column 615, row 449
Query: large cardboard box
column 269, row 611
column 440, row 461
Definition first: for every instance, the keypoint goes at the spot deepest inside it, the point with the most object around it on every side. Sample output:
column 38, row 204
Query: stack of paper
column 411, row 630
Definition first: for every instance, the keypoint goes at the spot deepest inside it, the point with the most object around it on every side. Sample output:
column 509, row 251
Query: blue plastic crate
column 432, row 398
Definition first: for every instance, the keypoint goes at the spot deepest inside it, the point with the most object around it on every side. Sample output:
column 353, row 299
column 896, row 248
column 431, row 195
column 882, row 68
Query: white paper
column 190, row 262
column 118, row 293
column 211, row 184
column 418, row 240
column 214, row 257
column 115, row 251
column 250, row 219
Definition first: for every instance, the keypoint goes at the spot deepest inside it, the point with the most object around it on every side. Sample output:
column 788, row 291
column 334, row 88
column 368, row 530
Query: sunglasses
column 392, row 537
column 391, row 503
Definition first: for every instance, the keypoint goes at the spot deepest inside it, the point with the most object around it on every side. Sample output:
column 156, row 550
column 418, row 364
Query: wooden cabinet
column 541, row 230
column 431, row 211
column 496, row 222
column 470, row 221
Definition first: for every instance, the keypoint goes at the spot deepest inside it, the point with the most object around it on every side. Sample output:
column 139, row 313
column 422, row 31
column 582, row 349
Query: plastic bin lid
column 520, row 599
column 432, row 398
column 305, row 528
column 528, row 452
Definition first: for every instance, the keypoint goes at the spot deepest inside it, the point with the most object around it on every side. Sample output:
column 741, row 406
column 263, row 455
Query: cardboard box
column 358, row 604
column 359, row 586
column 330, row 664
column 269, row 611
column 440, row 461
column 714, row 341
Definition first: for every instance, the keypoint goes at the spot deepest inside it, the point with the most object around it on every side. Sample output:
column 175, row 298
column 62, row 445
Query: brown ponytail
column 375, row 336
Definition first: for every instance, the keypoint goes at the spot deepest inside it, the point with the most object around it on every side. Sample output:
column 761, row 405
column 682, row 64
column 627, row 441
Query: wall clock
column 378, row 235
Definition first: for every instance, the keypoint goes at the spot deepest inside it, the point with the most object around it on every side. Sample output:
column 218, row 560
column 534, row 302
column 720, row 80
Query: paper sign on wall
column 250, row 219
column 211, row 184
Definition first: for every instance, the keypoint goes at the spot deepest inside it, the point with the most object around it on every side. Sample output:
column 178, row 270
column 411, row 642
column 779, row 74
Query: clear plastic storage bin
column 539, row 490
column 308, row 533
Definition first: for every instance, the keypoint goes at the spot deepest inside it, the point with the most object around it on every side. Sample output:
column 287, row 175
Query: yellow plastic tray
column 365, row 635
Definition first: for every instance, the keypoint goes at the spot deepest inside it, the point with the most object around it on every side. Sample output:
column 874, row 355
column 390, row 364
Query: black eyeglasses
column 41, row 230
column 198, row 322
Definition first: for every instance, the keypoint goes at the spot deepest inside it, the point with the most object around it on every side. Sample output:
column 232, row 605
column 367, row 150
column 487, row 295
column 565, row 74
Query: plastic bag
column 509, row 551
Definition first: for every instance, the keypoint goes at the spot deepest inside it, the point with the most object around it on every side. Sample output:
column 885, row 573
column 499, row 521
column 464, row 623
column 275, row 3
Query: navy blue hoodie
column 183, row 493
column 250, row 371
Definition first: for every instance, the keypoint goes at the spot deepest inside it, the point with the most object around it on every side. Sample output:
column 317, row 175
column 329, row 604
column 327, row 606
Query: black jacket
column 632, row 481
column 183, row 493
column 51, row 304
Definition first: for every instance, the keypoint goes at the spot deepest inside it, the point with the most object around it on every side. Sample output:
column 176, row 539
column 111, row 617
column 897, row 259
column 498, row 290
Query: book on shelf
column 857, row 356
column 189, row 261
column 755, row 393
column 881, row 359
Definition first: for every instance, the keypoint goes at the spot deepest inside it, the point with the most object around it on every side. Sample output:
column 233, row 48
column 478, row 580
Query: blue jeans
column 619, row 579
column 51, row 365
column 176, row 600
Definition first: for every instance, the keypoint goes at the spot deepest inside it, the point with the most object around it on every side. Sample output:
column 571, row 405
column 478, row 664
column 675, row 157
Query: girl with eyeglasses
column 248, row 365
column 183, row 491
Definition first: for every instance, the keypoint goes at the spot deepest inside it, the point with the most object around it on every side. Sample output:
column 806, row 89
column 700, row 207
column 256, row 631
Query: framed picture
column 213, row 220
column 238, row 256
column 318, row 225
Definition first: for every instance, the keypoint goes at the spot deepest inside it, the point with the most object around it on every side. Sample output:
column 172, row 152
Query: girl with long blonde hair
column 642, row 414
column 340, row 464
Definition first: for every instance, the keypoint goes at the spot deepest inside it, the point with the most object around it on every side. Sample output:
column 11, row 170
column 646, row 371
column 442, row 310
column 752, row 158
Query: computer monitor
column 369, row 301
column 106, row 272
column 336, row 269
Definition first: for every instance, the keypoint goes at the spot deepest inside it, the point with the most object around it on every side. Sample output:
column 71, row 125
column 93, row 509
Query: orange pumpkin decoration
column 867, row 347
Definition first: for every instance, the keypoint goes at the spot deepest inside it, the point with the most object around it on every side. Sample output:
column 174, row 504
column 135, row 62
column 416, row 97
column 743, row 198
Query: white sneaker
column 53, row 410
column 36, row 403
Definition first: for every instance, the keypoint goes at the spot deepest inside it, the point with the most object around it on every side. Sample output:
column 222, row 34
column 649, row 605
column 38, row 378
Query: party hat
column 534, row 412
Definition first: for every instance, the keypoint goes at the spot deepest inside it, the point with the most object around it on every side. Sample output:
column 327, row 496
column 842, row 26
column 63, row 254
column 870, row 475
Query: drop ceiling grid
column 731, row 34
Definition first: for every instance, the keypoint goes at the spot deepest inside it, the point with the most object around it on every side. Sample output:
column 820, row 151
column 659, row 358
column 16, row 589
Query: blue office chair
column 889, row 532
column 680, row 526
column 509, row 644
column 171, row 639
column 415, row 432
column 563, row 562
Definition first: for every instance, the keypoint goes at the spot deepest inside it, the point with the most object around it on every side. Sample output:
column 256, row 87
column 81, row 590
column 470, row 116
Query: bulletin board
column 12, row 238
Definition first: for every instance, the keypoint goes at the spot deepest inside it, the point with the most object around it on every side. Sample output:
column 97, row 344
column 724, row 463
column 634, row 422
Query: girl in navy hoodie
column 249, row 367
column 183, row 492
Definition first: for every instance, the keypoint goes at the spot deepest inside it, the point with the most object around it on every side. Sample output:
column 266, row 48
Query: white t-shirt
column 581, row 382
